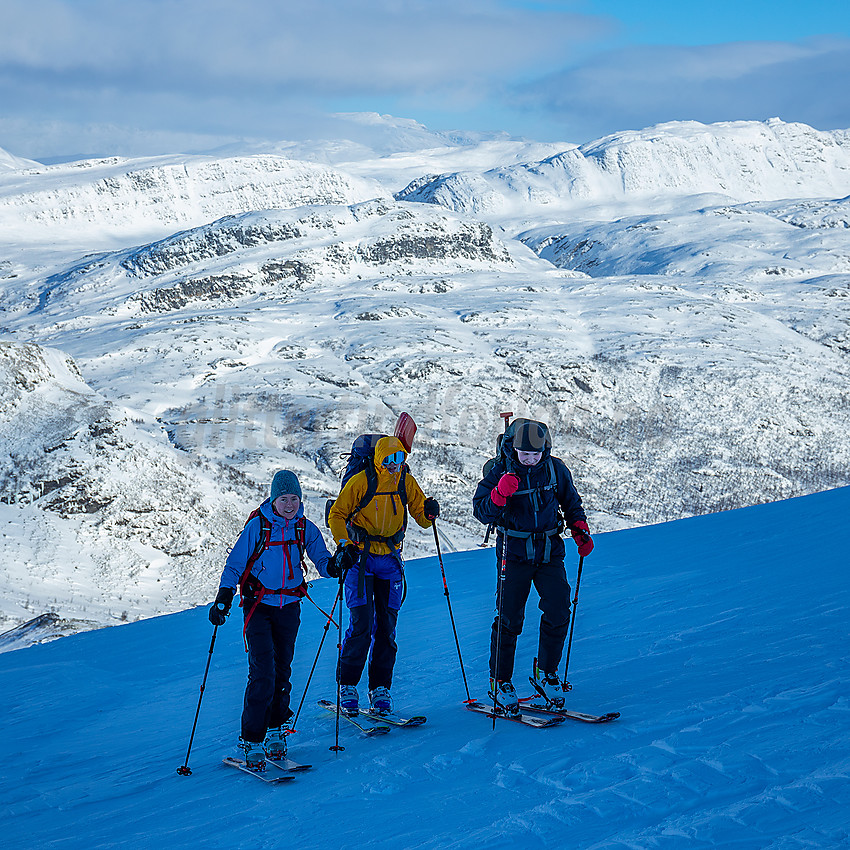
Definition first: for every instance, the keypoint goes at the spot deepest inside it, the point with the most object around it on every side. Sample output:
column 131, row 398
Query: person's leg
column 514, row 595
column 261, row 675
column 384, row 648
column 285, row 623
column 358, row 636
column 550, row 581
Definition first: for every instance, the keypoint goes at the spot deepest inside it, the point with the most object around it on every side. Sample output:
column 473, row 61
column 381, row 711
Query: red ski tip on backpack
column 405, row 430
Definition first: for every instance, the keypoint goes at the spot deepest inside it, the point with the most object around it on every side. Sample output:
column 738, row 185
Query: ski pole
column 315, row 660
column 184, row 769
column 565, row 684
column 507, row 417
column 502, row 570
column 451, row 615
column 337, row 748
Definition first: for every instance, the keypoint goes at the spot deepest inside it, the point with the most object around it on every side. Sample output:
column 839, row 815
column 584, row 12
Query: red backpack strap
column 262, row 545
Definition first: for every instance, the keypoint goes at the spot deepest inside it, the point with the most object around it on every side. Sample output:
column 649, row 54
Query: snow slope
column 743, row 160
column 721, row 639
column 115, row 197
column 10, row 162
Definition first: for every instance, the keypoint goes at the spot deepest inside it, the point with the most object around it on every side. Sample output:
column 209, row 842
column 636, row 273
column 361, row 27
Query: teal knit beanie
column 284, row 482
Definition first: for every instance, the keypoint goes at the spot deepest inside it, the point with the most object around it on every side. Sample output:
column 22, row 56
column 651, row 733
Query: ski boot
column 506, row 698
column 275, row 743
column 549, row 686
column 255, row 755
column 349, row 700
column 380, row 701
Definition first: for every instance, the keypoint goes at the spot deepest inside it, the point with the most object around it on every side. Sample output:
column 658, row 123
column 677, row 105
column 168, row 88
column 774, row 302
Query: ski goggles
column 395, row 457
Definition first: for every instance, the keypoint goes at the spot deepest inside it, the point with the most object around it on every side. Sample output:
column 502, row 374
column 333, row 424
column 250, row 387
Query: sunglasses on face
column 395, row 457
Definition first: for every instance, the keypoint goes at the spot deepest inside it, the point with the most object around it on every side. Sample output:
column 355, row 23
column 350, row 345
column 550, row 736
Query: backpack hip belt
column 532, row 537
column 393, row 543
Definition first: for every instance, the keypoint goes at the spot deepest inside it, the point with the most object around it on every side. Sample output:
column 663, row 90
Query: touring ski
column 368, row 731
column 392, row 718
column 405, row 430
column 568, row 714
column 526, row 719
column 288, row 765
column 240, row 765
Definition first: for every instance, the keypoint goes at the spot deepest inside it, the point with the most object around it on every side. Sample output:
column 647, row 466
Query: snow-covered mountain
column 741, row 160
column 103, row 522
column 688, row 350
column 10, row 162
column 127, row 197
column 722, row 640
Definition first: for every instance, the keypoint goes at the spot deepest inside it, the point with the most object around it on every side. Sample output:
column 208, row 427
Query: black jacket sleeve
column 482, row 505
column 568, row 496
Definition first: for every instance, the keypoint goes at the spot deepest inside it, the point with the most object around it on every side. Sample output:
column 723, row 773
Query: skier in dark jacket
column 528, row 495
column 272, row 542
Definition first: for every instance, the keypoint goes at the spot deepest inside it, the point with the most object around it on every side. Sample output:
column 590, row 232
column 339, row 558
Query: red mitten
column 507, row 486
column 581, row 535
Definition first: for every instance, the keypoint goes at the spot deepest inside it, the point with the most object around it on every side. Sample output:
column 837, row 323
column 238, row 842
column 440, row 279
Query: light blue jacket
column 273, row 568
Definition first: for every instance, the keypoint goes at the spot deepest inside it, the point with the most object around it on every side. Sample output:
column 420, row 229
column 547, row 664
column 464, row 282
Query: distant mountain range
column 675, row 302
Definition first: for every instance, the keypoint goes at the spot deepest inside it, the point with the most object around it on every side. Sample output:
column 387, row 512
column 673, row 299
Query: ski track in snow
column 721, row 639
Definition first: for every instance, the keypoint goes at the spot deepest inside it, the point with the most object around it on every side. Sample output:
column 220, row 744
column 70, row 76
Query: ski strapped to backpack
column 251, row 589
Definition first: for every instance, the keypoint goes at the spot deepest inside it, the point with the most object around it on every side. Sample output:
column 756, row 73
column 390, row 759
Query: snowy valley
column 674, row 302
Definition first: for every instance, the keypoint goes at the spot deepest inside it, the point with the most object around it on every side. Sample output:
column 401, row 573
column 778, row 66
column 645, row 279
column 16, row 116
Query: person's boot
column 549, row 686
column 275, row 743
column 506, row 698
column 349, row 701
column 380, row 701
column 255, row 755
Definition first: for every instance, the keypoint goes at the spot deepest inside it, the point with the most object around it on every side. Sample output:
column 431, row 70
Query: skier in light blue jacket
column 266, row 564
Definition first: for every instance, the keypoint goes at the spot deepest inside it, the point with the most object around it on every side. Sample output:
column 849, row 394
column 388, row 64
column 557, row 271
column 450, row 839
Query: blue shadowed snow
column 723, row 640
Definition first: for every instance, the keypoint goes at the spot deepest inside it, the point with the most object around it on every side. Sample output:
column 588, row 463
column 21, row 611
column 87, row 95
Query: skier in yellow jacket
column 370, row 537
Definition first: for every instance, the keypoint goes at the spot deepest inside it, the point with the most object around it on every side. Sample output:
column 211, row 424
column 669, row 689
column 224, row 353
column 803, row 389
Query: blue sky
column 99, row 77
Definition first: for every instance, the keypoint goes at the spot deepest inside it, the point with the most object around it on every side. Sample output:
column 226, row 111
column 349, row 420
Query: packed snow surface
column 721, row 639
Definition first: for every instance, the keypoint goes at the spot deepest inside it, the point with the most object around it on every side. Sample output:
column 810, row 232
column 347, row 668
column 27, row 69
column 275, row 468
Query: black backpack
column 362, row 458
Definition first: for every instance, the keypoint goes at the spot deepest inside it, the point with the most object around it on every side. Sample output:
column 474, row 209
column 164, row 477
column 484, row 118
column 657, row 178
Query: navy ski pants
column 270, row 634
column 371, row 626
column 550, row 582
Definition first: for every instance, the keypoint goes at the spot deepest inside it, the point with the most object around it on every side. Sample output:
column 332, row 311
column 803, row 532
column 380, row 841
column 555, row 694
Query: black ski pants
column 270, row 634
column 550, row 582
column 371, row 626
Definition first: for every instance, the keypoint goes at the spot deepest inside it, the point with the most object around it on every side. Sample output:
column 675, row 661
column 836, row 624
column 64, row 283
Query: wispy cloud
column 243, row 68
column 98, row 76
column 338, row 46
column 638, row 86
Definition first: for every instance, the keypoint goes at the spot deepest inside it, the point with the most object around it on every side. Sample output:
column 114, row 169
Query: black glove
column 344, row 558
column 221, row 607
column 431, row 508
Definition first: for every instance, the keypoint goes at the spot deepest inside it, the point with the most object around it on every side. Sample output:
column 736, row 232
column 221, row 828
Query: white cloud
column 640, row 86
column 110, row 72
column 339, row 46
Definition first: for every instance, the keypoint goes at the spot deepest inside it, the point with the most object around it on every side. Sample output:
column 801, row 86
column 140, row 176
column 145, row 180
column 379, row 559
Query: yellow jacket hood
column 383, row 516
